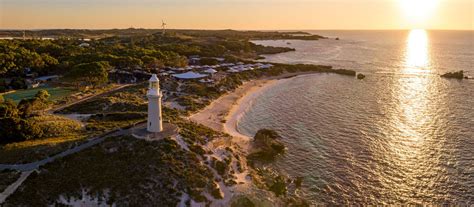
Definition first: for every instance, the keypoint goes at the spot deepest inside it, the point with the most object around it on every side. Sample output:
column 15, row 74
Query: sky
column 238, row 14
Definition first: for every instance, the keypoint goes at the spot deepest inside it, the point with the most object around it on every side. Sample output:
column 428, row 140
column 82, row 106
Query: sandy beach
column 224, row 113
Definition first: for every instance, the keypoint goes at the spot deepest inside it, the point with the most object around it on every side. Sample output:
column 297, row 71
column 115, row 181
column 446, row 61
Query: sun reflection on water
column 412, row 115
column 414, row 91
column 417, row 52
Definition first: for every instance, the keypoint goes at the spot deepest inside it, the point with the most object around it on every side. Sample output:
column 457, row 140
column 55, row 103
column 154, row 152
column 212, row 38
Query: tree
column 39, row 103
column 14, row 128
column 14, row 58
column 209, row 61
column 43, row 95
column 9, row 122
column 89, row 74
column 18, row 83
column 152, row 62
column 9, row 129
column 29, row 130
column 128, row 62
column 48, row 62
column 8, row 109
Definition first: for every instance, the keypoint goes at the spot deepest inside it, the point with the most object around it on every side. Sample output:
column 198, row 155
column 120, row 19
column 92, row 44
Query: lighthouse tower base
column 141, row 132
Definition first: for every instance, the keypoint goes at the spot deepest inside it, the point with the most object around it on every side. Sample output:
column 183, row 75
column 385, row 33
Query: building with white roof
column 210, row 71
column 189, row 75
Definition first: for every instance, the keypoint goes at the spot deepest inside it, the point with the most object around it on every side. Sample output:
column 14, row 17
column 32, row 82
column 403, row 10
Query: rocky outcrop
column 455, row 75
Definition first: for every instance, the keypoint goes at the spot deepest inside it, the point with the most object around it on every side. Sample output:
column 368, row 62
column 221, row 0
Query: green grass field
column 56, row 93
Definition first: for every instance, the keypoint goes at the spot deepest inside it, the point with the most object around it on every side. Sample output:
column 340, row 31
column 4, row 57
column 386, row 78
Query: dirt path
column 28, row 168
column 35, row 165
column 12, row 188
column 52, row 111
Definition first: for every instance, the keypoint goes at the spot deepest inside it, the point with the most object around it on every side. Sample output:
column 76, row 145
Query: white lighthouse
column 154, row 105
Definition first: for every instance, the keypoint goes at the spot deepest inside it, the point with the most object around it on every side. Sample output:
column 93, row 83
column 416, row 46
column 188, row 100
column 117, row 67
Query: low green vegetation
column 109, row 122
column 196, row 133
column 126, row 171
column 57, row 126
column 208, row 61
column 192, row 103
column 7, row 177
column 128, row 99
column 242, row 201
column 34, row 150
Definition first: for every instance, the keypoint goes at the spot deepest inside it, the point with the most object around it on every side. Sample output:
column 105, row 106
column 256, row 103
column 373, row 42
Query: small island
column 455, row 75
column 360, row 76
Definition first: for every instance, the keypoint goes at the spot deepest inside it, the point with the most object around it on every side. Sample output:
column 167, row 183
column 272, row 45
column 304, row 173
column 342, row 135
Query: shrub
column 221, row 167
column 209, row 61
column 279, row 186
column 242, row 201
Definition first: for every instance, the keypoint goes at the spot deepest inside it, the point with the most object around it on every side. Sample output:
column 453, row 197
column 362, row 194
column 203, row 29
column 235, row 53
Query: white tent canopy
column 210, row 70
column 189, row 75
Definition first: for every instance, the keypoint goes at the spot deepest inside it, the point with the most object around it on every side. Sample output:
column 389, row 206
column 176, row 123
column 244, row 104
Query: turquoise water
column 403, row 135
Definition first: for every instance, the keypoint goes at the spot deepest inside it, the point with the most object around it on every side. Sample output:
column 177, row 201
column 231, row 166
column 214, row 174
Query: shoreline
column 243, row 104
column 224, row 113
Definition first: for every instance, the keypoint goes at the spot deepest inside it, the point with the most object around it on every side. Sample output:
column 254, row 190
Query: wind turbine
column 163, row 27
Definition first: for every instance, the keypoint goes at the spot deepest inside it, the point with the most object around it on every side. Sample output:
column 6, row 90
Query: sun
column 418, row 10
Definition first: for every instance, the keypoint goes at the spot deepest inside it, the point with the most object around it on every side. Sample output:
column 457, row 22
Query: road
column 28, row 168
column 52, row 111
column 35, row 165
column 12, row 188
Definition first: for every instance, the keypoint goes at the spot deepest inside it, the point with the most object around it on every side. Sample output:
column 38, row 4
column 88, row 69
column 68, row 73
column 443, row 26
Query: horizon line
column 351, row 29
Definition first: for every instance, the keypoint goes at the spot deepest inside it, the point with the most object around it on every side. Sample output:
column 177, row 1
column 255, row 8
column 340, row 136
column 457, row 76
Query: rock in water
column 456, row 75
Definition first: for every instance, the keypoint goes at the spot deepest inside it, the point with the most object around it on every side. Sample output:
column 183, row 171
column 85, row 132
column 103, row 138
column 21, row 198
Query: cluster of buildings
column 202, row 73
column 30, row 80
column 239, row 67
column 208, row 73
column 211, row 69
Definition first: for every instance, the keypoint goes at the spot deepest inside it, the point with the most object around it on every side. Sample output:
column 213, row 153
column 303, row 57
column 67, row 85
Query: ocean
column 403, row 135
